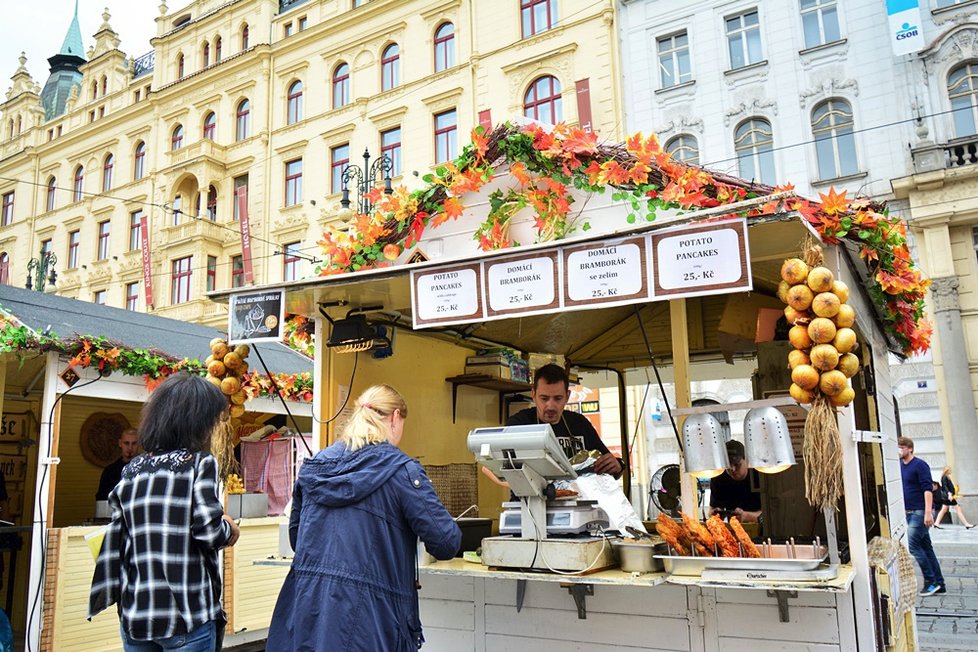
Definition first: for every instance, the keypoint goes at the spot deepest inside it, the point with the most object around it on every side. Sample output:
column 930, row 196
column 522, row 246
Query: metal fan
column 664, row 489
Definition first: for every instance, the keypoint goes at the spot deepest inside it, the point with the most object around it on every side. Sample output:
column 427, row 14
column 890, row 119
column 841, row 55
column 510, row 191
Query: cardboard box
column 537, row 360
column 497, row 370
column 738, row 324
column 247, row 505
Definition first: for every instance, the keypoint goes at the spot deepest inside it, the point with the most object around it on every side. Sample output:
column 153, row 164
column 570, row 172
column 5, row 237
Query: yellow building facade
column 276, row 96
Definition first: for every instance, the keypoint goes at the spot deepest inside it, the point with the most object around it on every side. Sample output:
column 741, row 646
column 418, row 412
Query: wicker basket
column 456, row 485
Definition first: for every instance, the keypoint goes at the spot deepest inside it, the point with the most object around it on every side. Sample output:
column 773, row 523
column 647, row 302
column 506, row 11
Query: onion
column 230, row 385
column 219, row 350
column 783, row 291
column 844, row 340
column 805, row 376
column 846, row 316
column 236, row 410
column 796, row 357
column 794, row 271
column 214, row 380
column 840, row 290
column 821, row 330
column 801, row 395
column 232, row 360
column 825, row 304
column 798, row 336
column 843, row 398
column 216, row 368
column 832, row 382
column 824, row 357
column 848, row 364
column 820, row 279
column 796, row 316
column 800, row 297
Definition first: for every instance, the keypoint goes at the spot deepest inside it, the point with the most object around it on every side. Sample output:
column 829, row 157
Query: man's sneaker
column 942, row 589
column 930, row 590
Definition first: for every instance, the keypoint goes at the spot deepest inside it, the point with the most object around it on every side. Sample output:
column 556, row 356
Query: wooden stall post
column 680, row 365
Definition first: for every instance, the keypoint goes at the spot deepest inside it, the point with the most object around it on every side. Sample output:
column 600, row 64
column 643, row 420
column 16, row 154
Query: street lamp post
column 363, row 178
column 41, row 270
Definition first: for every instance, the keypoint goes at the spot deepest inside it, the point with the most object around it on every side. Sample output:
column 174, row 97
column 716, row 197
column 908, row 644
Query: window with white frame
column 674, row 64
column 744, row 39
column 820, row 20
column 962, row 90
column 684, row 147
column 754, row 144
column 835, row 144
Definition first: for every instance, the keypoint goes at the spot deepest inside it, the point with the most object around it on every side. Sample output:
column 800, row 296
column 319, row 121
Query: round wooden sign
column 100, row 437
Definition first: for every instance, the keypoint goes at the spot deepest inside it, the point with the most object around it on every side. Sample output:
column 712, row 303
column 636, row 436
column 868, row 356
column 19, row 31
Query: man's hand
column 928, row 518
column 235, row 531
column 608, row 463
column 492, row 476
column 745, row 516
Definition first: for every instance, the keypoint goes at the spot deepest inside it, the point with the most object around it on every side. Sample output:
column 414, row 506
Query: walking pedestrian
column 950, row 499
column 918, row 500
column 358, row 509
column 159, row 559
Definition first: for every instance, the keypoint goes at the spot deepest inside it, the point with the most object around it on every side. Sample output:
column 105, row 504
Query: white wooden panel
column 666, row 600
column 511, row 644
column 607, row 628
column 804, row 599
column 447, row 640
column 447, row 587
column 448, row 614
column 809, row 624
column 728, row 644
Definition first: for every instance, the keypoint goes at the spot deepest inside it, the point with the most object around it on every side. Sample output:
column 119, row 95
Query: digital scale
column 563, row 517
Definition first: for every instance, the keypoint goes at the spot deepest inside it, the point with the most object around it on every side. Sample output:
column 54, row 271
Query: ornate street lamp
column 41, row 269
column 364, row 178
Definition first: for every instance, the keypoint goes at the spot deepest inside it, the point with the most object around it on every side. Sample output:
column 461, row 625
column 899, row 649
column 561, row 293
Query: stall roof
column 70, row 317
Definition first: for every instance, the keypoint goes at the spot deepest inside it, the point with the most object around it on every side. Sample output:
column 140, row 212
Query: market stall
column 673, row 269
column 75, row 375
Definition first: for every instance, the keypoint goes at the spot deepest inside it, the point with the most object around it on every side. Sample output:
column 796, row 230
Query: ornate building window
column 107, row 167
column 242, row 120
column 444, row 47
column 180, row 277
column 292, row 259
column 744, row 39
column 52, row 189
column 820, row 20
column 538, row 16
column 446, row 136
column 176, row 138
column 684, row 147
column 674, row 62
column 390, row 67
column 390, row 145
column 102, row 248
column 139, row 161
column 78, row 184
column 293, row 182
column 754, row 144
column 542, row 101
column 294, row 103
column 962, row 90
column 210, row 126
column 244, row 37
column 341, row 85
column 835, row 145
column 339, row 160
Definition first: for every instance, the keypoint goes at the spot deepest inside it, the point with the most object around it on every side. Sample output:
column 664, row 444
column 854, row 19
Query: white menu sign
column 701, row 259
column 447, row 295
column 521, row 283
column 606, row 272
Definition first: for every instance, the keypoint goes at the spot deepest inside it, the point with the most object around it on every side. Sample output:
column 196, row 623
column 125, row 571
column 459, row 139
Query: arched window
column 390, row 67
column 176, row 138
column 206, row 54
column 684, row 148
column 212, row 203
column 341, row 85
column 107, row 166
column 754, row 144
column 294, row 113
column 542, row 101
column 105, row 84
column 244, row 37
column 180, row 66
column 19, row 124
column 52, row 189
column 210, row 126
column 242, row 120
column 10, row 128
column 444, row 47
column 962, row 90
column 5, row 268
column 78, row 184
column 139, row 161
column 94, row 89
column 835, row 145
column 217, row 49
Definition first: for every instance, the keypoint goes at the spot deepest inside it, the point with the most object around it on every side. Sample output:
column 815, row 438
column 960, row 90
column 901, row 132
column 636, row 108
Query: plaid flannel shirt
column 159, row 558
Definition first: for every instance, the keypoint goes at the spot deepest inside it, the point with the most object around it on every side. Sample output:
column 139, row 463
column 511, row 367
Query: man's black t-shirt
column 582, row 435
column 729, row 494
column 110, row 478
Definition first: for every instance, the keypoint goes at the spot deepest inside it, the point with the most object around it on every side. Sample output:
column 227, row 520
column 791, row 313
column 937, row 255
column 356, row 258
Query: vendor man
column 129, row 444
column 551, row 389
column 734, row 492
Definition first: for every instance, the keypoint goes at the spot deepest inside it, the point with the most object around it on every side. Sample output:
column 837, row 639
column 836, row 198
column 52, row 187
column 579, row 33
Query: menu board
column 604, row 273
column 523, row 284
column 256, row 316
column 448, row 295
column 701, row 259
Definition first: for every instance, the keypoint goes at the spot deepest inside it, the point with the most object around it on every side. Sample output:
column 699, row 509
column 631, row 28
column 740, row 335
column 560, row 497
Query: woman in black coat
column 949, row 499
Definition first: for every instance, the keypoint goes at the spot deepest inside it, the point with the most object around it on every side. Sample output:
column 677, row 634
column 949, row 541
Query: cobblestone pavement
column 949, row 621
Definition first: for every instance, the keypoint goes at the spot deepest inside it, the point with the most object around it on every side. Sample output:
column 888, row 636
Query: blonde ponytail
column 369, row 423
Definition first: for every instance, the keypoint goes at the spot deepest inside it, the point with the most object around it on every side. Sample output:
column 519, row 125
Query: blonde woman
column 950, row 500
column 358, row 508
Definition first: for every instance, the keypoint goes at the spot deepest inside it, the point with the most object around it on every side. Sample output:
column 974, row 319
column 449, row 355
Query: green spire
column 73, row 39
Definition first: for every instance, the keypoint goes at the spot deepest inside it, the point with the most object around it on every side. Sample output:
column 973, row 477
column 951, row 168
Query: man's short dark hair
column 551, row 373
column 181, row 413
column 906, row 442
column 735, row 451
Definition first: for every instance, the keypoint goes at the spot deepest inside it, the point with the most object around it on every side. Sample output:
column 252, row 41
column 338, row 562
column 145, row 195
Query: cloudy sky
column 38, row 27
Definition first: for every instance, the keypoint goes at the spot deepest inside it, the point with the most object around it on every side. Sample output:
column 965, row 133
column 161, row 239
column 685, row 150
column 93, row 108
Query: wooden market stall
column 682, row 287
column 68, row 410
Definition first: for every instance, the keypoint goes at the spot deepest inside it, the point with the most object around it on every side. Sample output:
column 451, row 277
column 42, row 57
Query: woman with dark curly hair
column 159, row 559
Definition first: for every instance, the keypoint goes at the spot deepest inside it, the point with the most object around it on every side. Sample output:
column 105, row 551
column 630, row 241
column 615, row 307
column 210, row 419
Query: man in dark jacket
column 918, row 500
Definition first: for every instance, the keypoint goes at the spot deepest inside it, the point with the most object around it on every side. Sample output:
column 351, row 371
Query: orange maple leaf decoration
column 834, row 202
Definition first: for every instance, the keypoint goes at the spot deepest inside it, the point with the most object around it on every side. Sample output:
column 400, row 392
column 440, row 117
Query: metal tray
column 776, row 557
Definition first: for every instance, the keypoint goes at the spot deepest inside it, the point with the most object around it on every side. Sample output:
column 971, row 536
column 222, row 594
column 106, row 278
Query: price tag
column 606, row 273
column 522, row 283
column 446, row 295
column 702, row 259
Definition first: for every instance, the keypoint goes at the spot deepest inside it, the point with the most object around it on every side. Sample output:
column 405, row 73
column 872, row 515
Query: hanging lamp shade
column 767, row 441
column 703, row 448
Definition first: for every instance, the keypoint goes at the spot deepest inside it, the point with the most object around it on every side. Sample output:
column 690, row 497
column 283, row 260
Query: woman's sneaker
column 930, row 590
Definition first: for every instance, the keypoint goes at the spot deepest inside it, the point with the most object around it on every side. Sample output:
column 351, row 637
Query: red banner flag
column 485, row 119
column 147, row 260
column 241, row 196
column 584, row 105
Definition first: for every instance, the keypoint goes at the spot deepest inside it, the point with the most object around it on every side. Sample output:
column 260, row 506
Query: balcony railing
column 961, row 152
column 285, row 5
column 143, row 65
